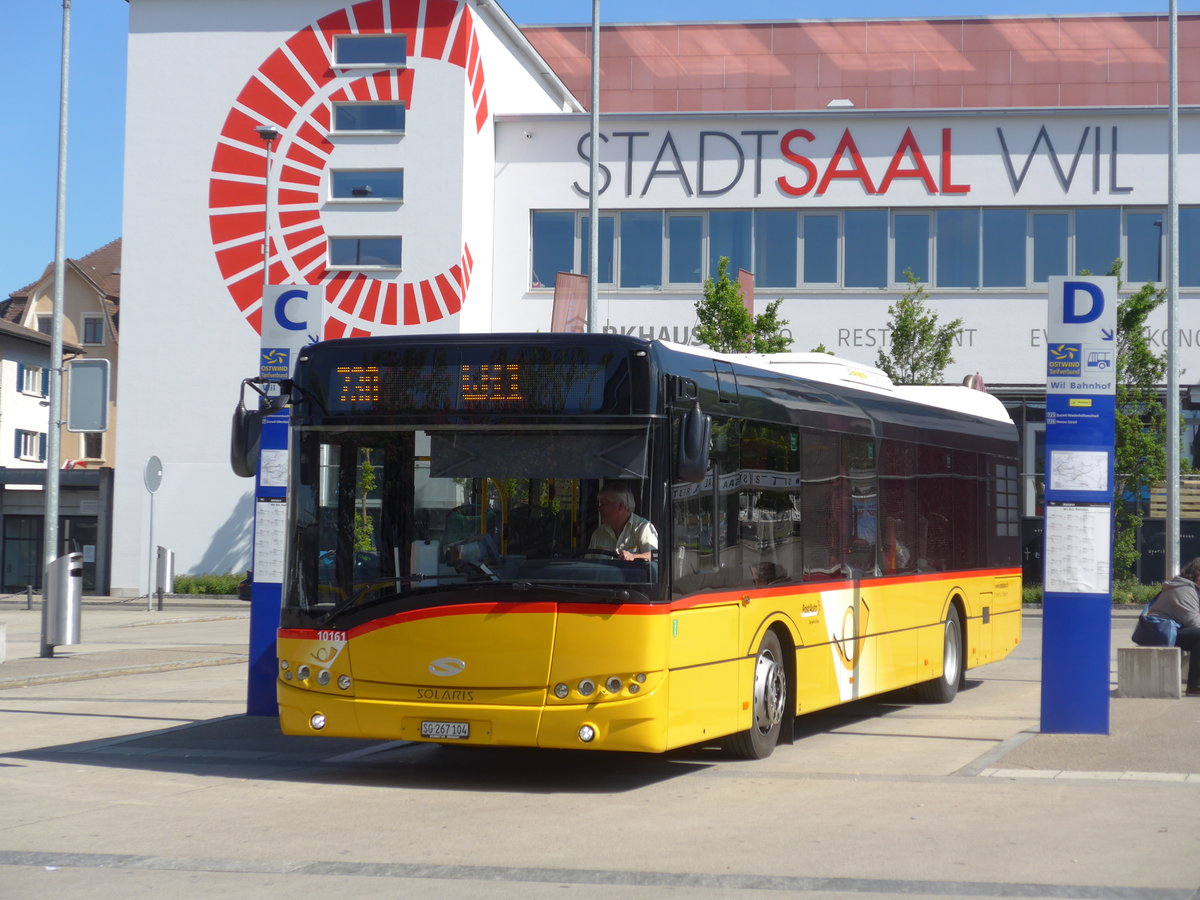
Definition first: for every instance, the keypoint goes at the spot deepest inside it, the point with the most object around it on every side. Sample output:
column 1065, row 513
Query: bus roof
column 835, row 370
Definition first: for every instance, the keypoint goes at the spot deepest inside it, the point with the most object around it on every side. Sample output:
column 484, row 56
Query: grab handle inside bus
column 695, row 438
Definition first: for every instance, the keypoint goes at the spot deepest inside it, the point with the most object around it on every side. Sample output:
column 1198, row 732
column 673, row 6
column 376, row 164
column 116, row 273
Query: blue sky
column 31, row 66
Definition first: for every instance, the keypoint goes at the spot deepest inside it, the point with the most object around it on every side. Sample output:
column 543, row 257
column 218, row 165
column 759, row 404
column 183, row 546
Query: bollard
column 166, row 574
column 61, row 602
column 29, row 596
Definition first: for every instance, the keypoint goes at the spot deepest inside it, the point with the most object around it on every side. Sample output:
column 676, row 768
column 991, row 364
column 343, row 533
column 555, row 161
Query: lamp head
column 267, row 132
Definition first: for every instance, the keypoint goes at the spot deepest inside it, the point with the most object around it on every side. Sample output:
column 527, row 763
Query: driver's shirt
column 638, row 536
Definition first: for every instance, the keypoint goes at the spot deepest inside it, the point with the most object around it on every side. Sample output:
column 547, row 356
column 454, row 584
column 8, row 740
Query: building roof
column 941, row 63
column 20, row 332
column 101, row 268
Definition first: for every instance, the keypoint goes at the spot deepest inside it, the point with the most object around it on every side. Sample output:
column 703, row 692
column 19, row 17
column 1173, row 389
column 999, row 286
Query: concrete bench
column 1149, row 672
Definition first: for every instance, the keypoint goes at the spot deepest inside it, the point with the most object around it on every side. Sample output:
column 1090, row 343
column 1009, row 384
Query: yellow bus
column 785, row 533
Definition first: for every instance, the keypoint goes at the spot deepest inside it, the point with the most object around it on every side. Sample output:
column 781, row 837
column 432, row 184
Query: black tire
column 943, row 688
column 770, row 699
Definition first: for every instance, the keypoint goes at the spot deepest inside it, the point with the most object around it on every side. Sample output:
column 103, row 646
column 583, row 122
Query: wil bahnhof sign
column 1081, row 367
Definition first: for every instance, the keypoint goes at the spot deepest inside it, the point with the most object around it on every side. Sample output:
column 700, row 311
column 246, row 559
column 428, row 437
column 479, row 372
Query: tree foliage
column 1141, row 418
column 919, row 349
column 727, row 327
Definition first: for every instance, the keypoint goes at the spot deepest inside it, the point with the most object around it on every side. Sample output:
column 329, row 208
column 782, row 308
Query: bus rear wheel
column 770, row 698
column 943, row 688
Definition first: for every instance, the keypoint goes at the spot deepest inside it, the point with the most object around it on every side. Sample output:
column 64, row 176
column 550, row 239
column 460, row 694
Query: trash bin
column 166, row 574
column 62, row 603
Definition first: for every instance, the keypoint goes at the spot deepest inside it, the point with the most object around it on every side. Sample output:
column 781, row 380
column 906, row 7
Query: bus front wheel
column 769, row 703
column 943, row 688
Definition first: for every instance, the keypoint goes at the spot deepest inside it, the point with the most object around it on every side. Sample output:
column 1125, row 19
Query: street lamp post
column 269, row 135
column 264, row 589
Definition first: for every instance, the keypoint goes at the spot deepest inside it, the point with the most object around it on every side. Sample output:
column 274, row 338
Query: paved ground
column 127, row 769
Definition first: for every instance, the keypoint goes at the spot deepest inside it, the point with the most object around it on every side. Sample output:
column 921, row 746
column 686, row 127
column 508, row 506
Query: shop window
column 367, row 184
column 364, row 253
column 372, row 50
column 369, row 117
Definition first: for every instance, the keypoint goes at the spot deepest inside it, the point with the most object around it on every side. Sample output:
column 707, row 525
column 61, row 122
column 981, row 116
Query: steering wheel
column 599, row 551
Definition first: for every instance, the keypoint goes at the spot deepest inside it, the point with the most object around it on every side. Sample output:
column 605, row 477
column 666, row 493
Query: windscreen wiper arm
column 616, row 595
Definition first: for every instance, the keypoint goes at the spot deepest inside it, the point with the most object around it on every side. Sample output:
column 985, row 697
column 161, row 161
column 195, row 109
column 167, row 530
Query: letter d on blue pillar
column 1081, row 354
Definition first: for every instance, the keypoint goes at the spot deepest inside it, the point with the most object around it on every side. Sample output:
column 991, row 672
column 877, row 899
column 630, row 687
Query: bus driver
column 622, row 531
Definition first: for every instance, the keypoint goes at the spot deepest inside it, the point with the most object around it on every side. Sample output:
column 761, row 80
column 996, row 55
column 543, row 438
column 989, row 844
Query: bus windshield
column 382, row 516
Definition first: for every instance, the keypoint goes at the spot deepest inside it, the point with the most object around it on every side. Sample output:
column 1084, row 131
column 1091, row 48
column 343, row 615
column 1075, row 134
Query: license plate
column 446, row 731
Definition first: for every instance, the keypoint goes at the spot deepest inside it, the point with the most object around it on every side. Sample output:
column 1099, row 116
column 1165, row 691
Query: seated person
column 621, row 530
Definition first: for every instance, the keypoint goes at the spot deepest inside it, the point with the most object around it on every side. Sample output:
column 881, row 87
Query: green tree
column 727, row 327
column 1141, row 418
column 919, row 349
column 364, row 526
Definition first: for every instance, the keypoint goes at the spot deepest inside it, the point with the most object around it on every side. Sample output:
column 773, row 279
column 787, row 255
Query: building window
column 364, row 253
column 93, row 445
column 380, row 185
column 368, row 117
column 641, row 249
column 912, row 247
column 34, row 380
column 958, row 248
column 30, row 446
column 685, row 240
column 1189, row 246
column 729, row 234
column 44, row 324
column 965, row 248
column 93, row 329
column 776, row 233
column 1004, row 247
column 553, row 246
column 864, row 261
column 1097, row 240
column 1050, row 245
column 820, row 249
column 1143, row 240
column 373, row 50
column 604, row 252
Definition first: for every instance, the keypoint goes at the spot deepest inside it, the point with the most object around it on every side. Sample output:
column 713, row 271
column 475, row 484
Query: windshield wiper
column 357, row 602
column 616, row 595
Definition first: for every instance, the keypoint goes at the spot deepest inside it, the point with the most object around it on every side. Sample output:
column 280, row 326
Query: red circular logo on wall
column 293, row 91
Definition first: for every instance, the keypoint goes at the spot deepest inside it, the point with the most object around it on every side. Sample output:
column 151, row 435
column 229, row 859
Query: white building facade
column 430, row 175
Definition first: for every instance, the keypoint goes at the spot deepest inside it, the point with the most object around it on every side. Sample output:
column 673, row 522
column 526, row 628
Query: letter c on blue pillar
column 1071, row 315
column 281, row 310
